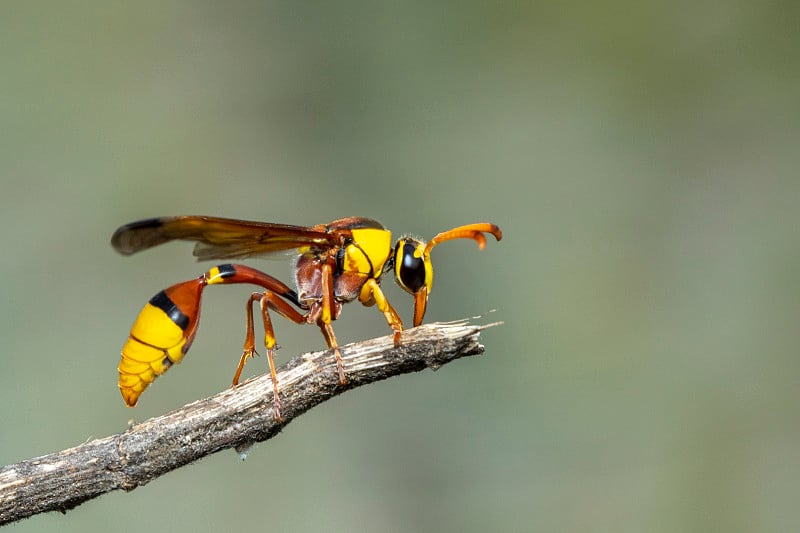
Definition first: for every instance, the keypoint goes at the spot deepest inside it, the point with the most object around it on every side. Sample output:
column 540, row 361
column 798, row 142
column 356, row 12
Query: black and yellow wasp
column 337, row 263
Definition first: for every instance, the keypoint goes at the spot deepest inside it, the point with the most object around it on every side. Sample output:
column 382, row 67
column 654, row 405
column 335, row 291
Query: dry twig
column 234, row 418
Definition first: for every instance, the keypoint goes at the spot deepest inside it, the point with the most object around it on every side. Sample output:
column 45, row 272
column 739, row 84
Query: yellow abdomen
column 159, row 338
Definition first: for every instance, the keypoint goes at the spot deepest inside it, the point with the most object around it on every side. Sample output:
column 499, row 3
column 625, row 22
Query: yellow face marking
column 428, row 271
column 369, row 251
column 419, row 253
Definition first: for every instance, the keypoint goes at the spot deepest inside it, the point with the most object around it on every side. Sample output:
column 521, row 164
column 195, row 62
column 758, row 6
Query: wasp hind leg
column 266, row 301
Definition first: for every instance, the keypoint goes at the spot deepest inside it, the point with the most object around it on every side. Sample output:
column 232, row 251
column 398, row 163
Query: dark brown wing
column 220, row 238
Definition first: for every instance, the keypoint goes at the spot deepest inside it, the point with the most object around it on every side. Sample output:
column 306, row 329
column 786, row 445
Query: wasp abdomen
column 160, row 337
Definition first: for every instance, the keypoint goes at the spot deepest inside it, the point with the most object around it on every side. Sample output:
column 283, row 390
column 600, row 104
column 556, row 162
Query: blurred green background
column 641, row 159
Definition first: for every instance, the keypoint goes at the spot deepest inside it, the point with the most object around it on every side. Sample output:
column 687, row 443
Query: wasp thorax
column 411, row 267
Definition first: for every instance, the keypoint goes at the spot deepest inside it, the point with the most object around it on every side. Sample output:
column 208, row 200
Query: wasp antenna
column 470, row 231
column 480, row 238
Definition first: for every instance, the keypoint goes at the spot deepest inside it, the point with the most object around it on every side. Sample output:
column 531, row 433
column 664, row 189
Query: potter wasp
column 337, row 263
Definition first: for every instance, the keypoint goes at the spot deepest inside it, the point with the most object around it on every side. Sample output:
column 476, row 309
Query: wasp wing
column 220, row 238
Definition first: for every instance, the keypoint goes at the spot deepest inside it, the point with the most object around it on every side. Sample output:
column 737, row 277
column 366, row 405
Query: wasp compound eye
column 410, row 265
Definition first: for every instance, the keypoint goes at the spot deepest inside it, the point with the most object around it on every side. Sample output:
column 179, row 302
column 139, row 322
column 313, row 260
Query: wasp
column 337, row 263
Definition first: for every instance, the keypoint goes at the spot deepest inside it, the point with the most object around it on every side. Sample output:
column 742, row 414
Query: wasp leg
column 249, row 349
column 277, row 296
column 330, row 338
column 327, row 315
column 371, row 293
column 266, row 300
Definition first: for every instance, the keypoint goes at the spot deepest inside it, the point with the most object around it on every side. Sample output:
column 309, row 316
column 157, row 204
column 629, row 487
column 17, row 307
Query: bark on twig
column 234, row 418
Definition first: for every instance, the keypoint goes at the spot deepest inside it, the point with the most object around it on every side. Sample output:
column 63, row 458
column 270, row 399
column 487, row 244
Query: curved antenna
column 470, row 231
